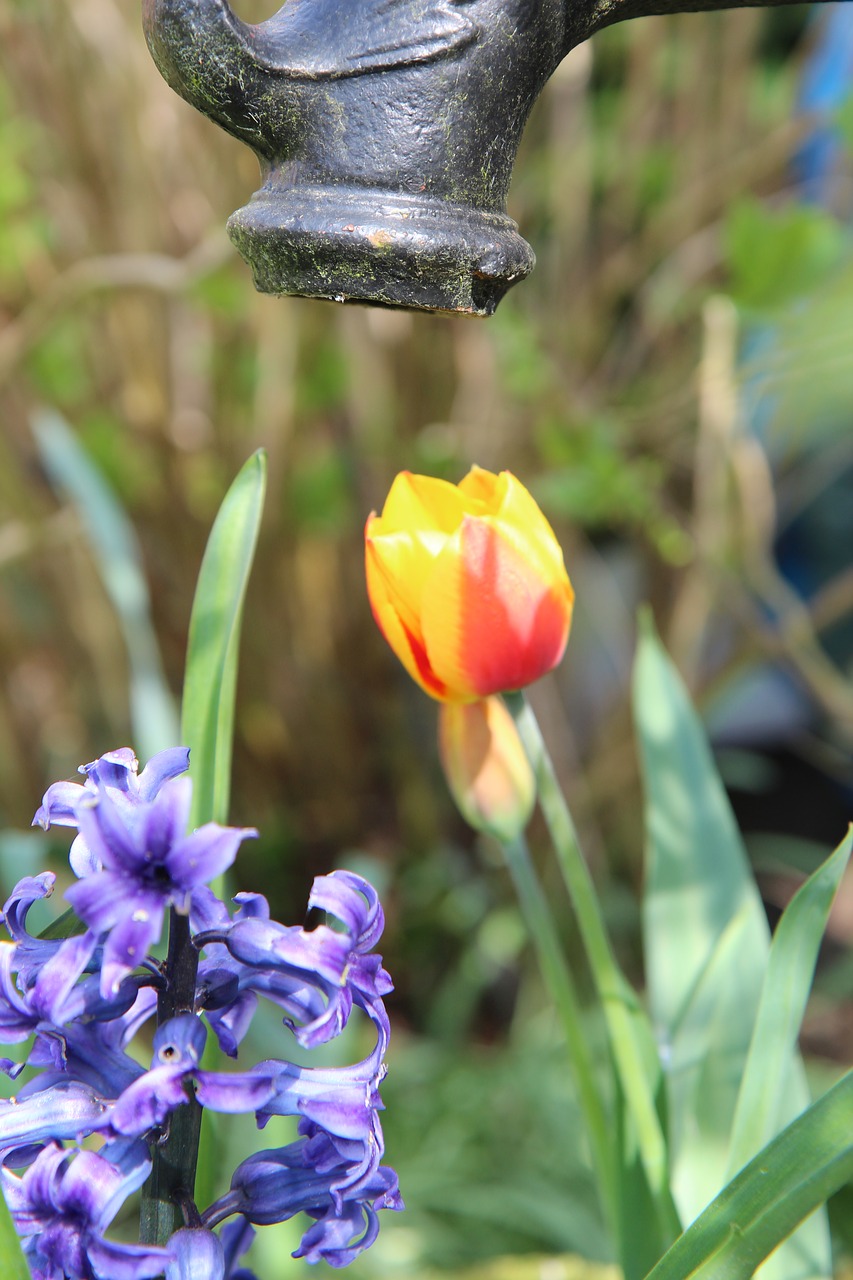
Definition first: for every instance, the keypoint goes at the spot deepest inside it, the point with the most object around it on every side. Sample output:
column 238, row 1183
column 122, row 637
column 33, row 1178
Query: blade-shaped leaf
column 207, row 714
column 788, row 1180
column 790, row 969
column 707, row 945
column 13, row 1265
column 116, row 553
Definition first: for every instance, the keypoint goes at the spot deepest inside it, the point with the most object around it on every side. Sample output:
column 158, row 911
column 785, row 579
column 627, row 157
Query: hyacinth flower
column 65, row 1200
column 81, row 1000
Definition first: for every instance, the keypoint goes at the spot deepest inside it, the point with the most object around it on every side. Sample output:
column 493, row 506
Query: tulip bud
column 486, row 767
column 467, row 584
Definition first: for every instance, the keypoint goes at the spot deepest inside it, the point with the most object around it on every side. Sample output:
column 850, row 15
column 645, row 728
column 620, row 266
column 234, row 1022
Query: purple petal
column 66, row 1110
column 145, row 1104
column 354, row 902
column 166, row 818
column 238, row 1091
column 236, row 1239
column 251, row 906
column 331, row 1239
column 160, row 768
column 204, row 854
column 82, row 860
column 17, row 1019
column 129, row 941
column 99, row 900
column 231, row 1025
column 91, row 1182
column 58, row 978
column 125, row 1261
column 208, row 911
column 115, row 769
column 27, row 891
column 108, row 836
column 59, row 805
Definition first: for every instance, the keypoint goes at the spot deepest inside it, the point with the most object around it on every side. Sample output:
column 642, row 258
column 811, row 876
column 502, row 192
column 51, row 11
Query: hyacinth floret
column 80, row 1000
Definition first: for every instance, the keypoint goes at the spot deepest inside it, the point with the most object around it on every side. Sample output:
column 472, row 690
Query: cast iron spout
column 386, row 132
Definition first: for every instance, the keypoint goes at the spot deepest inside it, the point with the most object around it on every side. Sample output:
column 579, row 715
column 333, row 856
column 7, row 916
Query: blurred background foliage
column 674, row 383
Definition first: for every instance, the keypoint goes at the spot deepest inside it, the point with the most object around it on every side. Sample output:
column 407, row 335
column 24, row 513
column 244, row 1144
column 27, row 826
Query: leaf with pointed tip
column 207, row 713
column 707, row 946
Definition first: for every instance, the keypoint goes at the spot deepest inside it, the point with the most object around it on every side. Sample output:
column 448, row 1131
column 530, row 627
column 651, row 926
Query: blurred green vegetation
column 630, row 383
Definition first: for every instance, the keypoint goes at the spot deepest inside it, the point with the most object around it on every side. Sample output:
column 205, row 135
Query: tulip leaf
column 707, row 948
column 786, row 1182
column 790, row 969
column 115, row 551
column 13, row 1264
column 207, row 719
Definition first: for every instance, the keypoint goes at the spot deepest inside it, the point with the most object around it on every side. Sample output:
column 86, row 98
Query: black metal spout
column 386, row 132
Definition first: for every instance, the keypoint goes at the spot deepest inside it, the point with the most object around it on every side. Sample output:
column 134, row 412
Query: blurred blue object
column 767, row 709
column 826, row 83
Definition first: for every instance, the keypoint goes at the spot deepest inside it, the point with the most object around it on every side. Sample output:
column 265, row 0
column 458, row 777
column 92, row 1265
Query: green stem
column 790, row 1178
column 560, row 984
column 171, row 1182
column 618, row 1000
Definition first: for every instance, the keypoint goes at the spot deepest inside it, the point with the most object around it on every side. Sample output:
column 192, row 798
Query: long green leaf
column 788, row 1180
column 707, row 946
column 207, row 713
column 119, row 561
column 793, row 956
column 13, row 1265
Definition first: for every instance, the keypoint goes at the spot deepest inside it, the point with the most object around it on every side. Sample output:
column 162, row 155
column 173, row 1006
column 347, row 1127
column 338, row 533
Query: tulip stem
column 622, row 1013
column 561, row 987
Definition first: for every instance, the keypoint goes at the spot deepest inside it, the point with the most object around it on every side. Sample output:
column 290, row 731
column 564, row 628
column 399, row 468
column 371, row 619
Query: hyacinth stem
column 615, row 994
column 561, row 987
column 171, row 1182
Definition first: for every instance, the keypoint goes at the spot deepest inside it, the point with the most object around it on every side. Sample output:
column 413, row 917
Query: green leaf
column 207, row 713
column 788, row 1180
column 793, row 956
column 706, row 944
column 13, row 1265
column 116, row 553
column 775, row 256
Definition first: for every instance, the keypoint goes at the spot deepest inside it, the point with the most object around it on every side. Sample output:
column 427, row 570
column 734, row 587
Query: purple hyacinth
column 81, row 1000
column 137, row 859
column 64, row 1202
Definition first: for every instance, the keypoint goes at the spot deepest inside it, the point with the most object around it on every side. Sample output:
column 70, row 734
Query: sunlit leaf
column 793, row 955
column 707, row 945
column 207, row 722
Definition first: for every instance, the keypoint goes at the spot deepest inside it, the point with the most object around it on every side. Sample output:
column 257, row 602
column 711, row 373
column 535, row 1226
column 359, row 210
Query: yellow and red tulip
column 467, row 584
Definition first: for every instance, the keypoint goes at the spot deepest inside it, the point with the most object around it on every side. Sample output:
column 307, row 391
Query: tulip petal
column 495, row 617
column 424, row 503
column 398, row 565
column 404, row 637
column 484, row 486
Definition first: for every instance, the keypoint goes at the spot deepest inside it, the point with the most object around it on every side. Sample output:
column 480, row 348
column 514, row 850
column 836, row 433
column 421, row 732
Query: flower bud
column 486, row 767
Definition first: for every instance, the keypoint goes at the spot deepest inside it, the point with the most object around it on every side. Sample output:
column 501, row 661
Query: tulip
column 486, row 767
column 467, row 584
